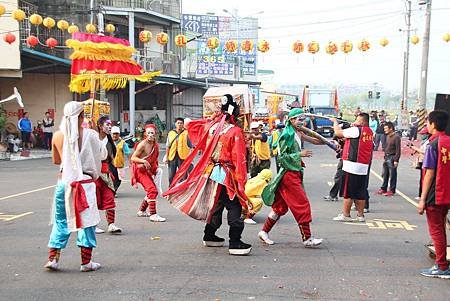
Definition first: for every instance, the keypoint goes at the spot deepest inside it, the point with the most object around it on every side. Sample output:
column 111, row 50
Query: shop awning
column 34, row 61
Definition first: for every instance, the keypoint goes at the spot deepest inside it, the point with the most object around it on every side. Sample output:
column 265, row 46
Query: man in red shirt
column 356, row 158
column 435, row 197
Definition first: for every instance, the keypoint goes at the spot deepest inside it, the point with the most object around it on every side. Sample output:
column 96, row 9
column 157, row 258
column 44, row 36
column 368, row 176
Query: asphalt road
column 377, row 260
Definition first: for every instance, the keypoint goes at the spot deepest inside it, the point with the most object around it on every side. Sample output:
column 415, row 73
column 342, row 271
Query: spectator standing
column 260, row 150
column 334, row 191
column 413, row 125
column 435, row 198
column 420, row 151
column 380, row 136
column 178, row 147
column 122, row 151
column 26, row 128
column 47, row 124
column 276, row 133
column 373, row 123
column 392, row 154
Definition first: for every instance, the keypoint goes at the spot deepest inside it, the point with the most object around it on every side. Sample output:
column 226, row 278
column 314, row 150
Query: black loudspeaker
column 443, row 103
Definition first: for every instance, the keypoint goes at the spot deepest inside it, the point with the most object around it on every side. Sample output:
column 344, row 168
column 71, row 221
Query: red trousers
column 105, row 195
column 146, row 180
column 290, row 195
column 437, row 218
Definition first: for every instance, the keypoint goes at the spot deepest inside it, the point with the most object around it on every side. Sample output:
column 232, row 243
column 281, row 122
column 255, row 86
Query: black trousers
column 234, row 217
column 334, row 191
column 174, row 165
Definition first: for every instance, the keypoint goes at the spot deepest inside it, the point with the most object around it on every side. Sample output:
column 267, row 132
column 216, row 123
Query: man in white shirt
column 356, row 156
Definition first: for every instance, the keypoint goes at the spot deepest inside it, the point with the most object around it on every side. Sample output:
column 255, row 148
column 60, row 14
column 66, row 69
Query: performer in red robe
column 144, row 170
column 218, row 180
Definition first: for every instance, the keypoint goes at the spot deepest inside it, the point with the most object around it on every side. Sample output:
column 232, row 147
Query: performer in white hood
column 79, row 153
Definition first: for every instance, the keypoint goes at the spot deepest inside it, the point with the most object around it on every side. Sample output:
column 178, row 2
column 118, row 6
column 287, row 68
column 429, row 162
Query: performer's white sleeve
column 351, row 132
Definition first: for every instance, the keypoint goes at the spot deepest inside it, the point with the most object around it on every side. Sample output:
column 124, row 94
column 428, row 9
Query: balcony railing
column 168, row 63
column 165, row 7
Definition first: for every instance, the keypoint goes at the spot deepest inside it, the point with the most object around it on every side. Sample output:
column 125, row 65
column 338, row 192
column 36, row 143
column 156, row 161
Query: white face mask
column 107, row 128
column 150, row 134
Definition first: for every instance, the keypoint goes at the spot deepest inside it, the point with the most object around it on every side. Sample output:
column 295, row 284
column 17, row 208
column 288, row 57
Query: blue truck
column 323, row 126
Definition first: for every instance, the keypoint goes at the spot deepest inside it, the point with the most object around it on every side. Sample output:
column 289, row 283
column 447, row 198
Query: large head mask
column 229, row 105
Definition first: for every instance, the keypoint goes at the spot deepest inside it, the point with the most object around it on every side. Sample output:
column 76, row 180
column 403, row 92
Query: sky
column 282, row 22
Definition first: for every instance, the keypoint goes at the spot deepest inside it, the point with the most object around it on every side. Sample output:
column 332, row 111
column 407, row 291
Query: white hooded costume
column 80, row 165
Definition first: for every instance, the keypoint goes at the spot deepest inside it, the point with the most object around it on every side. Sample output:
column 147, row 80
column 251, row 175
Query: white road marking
column 407, row 198
column 26, row 192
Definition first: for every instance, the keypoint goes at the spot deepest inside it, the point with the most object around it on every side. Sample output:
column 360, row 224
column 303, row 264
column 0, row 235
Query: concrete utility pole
column 425, row 52
column 91, row 7
column 132, row 83
column 406, row 57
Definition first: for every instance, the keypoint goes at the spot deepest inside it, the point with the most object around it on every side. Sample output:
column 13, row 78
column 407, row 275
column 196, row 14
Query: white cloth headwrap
column 71, row 163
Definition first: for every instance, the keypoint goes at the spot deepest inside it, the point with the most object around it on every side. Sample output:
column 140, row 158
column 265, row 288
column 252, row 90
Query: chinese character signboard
column 220, row 62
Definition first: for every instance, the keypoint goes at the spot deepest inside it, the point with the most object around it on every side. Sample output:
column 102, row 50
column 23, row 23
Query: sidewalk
column 34, row 154
column 42, row 153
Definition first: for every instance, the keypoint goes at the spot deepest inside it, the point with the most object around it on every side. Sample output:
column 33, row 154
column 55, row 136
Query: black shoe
column 213, row 241
column 239, row 248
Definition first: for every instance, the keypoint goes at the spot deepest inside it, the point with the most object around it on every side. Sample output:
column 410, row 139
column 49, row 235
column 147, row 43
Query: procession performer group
column 218, row 180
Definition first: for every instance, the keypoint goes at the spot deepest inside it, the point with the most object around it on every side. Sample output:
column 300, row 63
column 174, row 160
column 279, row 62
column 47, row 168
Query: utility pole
column 425, row 52
column 91, row 7
column 132, row 83
column 403, row 116
column 406, row 57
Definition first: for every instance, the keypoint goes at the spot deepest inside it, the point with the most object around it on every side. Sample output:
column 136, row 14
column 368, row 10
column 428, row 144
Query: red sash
column 80, row 201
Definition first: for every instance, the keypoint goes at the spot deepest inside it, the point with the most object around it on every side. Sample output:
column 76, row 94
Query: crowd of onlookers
column 31, row 136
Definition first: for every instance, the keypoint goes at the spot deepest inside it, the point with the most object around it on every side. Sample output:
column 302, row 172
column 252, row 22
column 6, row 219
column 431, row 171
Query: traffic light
column 378, row 95
column 370, row 95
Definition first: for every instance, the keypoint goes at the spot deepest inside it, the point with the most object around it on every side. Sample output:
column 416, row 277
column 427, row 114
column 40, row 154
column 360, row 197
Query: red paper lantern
column 298, row 47
column 51, row 43
column 162, row 38
column 9, row 38
column 231, row 46
column 247, row 46
column 32, row 41
column 263, row 46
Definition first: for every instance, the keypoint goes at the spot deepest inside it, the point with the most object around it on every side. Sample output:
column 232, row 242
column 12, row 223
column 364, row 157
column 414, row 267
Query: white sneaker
column 99, row 231
column 249, row 221
column 91, row 266
column 142, row 214
column 113, row 229
column 342, row 218
column 361, row 219
column 312, row 242
column 52, row 265
column 264, row 236
column 366, row 210
column 157, row 218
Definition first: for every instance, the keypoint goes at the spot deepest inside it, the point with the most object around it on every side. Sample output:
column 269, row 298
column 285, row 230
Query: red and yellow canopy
column 103, row 58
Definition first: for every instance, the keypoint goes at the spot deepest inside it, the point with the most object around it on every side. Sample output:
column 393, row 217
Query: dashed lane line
column 26, row 192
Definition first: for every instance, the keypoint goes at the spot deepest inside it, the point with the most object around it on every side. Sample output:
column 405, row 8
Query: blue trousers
column 60, row 233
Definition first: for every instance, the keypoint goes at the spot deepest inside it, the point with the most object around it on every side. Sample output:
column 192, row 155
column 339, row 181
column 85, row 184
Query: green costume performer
column 285, row 192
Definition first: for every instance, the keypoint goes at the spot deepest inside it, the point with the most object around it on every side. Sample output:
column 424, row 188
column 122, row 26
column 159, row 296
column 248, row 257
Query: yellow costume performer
column 253, row 190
